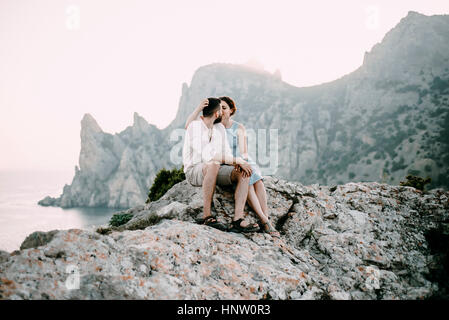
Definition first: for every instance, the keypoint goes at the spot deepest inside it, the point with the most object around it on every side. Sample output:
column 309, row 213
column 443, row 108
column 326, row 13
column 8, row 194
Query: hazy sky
column 62, row 59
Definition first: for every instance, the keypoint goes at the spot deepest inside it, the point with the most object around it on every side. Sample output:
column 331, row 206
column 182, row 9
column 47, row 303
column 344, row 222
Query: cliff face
column 388, row 118
column 115, row 170
column 354, row 241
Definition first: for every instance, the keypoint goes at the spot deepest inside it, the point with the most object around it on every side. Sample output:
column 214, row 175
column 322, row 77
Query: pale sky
column 62, row 59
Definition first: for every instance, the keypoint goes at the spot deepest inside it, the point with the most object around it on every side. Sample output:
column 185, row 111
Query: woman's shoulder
column 238, row 125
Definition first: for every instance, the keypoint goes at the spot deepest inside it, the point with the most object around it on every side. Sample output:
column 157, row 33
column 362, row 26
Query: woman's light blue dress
column 231, row 133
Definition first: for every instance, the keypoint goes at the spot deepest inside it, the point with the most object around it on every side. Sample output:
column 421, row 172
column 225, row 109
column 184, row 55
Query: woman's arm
column 242, row 143
column 197, row 111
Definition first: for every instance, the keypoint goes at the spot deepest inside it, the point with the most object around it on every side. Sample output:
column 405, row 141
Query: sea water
column 20, row 215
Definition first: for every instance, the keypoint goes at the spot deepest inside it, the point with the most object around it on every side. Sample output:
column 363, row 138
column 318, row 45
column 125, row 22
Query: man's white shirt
column 201, row 143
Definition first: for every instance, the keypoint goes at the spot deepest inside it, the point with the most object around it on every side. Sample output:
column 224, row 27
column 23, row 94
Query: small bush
column 165, row 179
column 421, row 126
column 415, row 182
column 398, row 165
column 440, row 85
column 414, row 172
column 120, row 218
column 378, row 155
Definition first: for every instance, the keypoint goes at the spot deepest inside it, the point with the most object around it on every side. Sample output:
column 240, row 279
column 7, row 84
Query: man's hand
column 246, row 170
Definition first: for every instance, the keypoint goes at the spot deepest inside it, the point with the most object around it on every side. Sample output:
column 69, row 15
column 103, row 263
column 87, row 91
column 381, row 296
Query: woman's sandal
column 212, row 222
column 271, row 230
column 236, row 227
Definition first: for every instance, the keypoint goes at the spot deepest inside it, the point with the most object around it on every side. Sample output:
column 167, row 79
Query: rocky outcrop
column 388, row 118
column 353, row 241
column 115, row 171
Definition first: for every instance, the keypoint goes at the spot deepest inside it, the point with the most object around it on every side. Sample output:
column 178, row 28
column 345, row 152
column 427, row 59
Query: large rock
column 352, row 241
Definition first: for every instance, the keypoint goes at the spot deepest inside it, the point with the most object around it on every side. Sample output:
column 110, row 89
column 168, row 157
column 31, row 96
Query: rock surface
column 388, row 118
column 354, row 241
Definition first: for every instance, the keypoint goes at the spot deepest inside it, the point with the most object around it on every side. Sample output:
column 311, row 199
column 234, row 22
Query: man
column 205, row 149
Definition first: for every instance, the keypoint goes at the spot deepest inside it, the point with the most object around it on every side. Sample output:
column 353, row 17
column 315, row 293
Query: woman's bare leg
column 253, row 201
column 261, row 193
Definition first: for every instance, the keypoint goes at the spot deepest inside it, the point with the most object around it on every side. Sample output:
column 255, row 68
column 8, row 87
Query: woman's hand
column 203, row 104
column 197, row 112
column 246, row 169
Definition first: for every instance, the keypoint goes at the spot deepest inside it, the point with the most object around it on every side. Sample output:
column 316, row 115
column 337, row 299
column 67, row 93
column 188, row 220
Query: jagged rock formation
column 115, row 170
column 388, row 118
column 354, row 241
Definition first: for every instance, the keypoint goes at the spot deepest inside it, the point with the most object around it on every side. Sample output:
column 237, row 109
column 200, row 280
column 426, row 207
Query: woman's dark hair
column 213, row 106
column 230, row 103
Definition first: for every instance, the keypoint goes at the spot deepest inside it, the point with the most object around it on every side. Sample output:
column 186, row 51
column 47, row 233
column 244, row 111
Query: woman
column 236, row 134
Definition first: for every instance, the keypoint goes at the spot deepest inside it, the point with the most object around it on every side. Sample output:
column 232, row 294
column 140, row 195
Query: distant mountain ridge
column 386, row 119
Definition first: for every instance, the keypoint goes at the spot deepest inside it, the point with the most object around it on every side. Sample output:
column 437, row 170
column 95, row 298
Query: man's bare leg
column 210, row 172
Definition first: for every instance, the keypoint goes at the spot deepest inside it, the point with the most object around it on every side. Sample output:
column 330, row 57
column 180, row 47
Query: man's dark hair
column 213, row 106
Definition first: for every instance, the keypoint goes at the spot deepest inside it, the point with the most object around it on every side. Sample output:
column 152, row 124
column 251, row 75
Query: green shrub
column 378, row 155
column 398, row 165
column 415, row 182
column 440, row 85
column 351, row 175
column 165, row 179
column 421, row 126
column 414, row 172
column 120, row 218
column 407, row 120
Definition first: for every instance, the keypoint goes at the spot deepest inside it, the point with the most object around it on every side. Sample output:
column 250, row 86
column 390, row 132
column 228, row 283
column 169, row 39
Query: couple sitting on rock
column 215, row 152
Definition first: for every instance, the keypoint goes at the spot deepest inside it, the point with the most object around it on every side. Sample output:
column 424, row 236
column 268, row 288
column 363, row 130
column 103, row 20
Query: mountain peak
column 412, row 13
column 139, row 122
column 88, row 122
column 417, row 40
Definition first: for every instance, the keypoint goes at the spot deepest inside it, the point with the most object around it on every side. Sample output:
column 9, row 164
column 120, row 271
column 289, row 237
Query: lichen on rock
column 353, row 241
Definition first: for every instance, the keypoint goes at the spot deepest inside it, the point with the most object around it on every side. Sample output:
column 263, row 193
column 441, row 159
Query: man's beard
column 218, row 120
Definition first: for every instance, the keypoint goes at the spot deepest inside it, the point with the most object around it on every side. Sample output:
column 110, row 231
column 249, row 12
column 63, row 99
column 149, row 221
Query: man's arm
column 224, row 153
column 228, row 159
column 193, row 134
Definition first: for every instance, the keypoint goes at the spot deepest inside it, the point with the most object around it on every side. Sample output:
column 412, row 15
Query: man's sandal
column 212, row 222
column 271, row 230
column 236, row 227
